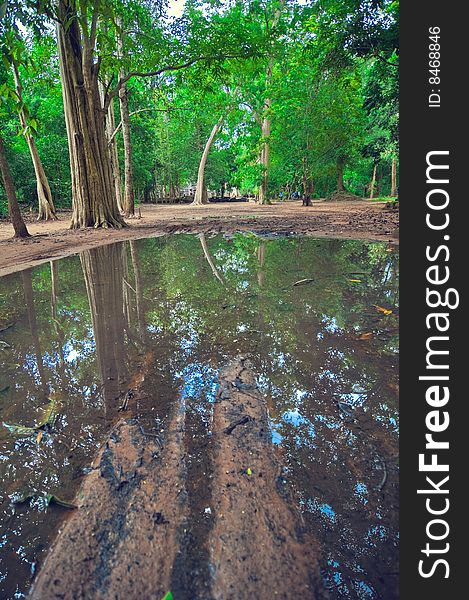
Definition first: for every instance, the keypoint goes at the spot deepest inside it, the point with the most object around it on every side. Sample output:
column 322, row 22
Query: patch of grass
column 384, row 199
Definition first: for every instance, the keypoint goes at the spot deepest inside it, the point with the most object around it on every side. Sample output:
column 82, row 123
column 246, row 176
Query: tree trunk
column 110, row 128
column 265, row 155
column 394, row 177
column 201, row 189
column 373, row 183
column 308, row 184
column 13, row 206
column 46, row 207
column 340, row 176
column 94, row 202
column 129, row 196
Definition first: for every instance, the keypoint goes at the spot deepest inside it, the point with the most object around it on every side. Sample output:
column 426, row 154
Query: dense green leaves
column 324, row 73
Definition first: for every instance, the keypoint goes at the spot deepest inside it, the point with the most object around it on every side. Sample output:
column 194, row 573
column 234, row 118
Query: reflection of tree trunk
column 54, row 273
column 263, row 347
column 261, row 261
column 394, row 177
column 32, row 319
column 373, row 183
column 103, row 269
column 138, row 289
column 46, row 203
column 201, row 189
column 203, row 241
column 10, row 191
column 126, row 289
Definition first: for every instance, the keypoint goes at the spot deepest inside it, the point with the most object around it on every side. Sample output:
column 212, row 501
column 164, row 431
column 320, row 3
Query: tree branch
column 123, row 80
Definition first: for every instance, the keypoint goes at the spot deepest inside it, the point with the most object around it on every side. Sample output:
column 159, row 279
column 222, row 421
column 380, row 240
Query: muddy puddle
column 142, row 329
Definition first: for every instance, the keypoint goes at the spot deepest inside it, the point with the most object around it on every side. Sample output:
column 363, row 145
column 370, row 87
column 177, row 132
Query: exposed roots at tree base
column 111, row 224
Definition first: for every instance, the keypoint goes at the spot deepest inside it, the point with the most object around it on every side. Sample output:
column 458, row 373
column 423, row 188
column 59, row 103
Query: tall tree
column 19, row 226
column 46, row 208
column 201, row 188
column 94, row 199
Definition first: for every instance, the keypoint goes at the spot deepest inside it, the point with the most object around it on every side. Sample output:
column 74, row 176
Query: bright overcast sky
column 175, row 7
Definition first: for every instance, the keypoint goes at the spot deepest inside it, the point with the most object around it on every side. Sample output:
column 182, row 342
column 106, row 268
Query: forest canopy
column 108, row 103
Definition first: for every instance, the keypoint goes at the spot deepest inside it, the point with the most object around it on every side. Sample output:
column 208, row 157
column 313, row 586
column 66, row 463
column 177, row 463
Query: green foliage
column 331, row 93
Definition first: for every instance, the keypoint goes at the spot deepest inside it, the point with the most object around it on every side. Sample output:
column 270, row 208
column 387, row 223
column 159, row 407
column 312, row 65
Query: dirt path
column 141, row 528
column 349, row 220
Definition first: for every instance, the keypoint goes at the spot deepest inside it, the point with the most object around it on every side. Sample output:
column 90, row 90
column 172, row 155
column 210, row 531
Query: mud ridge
column 205, row 512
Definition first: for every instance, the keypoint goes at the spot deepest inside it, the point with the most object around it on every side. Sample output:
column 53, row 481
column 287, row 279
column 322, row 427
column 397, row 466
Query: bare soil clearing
column 347, row 220
column 132, row 524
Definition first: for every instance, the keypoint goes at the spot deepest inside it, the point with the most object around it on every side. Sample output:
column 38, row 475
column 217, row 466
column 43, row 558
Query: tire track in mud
column 203, row 512
column 121, row 542
column 259, row 547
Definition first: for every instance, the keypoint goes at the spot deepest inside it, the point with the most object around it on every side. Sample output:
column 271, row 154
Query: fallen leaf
column 39, row 437
column 366, row 336
column 249, row 472
column 385, row 311
column 355, row 280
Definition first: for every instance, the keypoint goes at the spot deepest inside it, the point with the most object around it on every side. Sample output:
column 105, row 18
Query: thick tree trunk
column 340, row 176
column 394, row 177
column 373, row 183
column 13, row 206
column 201, row 189
column 46, row 209
column 94, row 200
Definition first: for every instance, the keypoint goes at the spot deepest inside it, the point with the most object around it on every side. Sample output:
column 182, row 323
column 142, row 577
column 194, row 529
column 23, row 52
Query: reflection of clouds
column 199, row 382
column 307, row 357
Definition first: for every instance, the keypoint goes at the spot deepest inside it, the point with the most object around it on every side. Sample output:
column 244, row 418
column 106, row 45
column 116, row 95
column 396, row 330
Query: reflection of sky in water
column 199, row 382
column 307, row 360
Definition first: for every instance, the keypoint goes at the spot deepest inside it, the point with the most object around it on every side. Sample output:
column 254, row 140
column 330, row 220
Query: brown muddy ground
column 347, row 220
column 141, row 528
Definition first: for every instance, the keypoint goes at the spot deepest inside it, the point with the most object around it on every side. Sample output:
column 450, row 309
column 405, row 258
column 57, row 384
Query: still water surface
column 74, row 333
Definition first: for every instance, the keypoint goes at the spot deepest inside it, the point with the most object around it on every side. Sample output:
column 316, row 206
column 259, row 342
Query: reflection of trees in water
column 32, row 319
column 304, row 343
column 302, row 340
column 57, row 325
column 103, row 270
column 139, row 298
